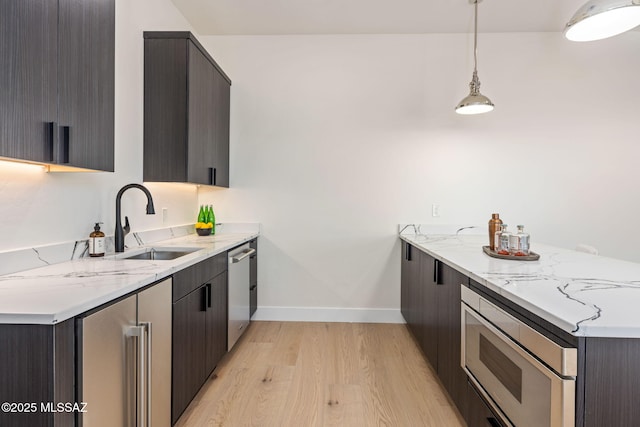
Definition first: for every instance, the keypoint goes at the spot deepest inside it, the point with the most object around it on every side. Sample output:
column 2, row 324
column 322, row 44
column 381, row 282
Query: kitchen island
column 578, row 301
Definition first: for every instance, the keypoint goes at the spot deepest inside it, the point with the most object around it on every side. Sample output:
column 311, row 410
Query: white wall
column 336, row 139
column 38, row 208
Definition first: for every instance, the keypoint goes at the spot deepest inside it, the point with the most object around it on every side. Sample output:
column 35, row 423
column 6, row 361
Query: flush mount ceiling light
column 599, row 19
column 475, row 102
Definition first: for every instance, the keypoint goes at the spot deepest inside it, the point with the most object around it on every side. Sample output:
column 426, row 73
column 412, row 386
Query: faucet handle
column 126, row 227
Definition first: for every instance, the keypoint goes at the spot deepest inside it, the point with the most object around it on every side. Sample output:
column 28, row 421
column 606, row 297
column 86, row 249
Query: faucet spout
column 120, row 231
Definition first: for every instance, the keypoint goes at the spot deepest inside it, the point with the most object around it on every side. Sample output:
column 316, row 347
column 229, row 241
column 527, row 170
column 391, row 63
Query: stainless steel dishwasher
column 238, row 292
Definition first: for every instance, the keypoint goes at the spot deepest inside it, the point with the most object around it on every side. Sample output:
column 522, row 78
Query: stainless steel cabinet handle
column 244, row 255
column 147, row 382
column 142, row 334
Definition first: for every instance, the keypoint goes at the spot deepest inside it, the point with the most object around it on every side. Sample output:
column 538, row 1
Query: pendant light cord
column 475, row 39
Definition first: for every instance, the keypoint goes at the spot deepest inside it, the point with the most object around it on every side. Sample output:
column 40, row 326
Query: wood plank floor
column 323, row 374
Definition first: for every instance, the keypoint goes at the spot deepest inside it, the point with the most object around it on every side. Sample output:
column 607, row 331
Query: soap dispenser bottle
column 96, row 241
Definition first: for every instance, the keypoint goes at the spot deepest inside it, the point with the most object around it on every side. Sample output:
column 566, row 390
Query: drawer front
column 191, row 278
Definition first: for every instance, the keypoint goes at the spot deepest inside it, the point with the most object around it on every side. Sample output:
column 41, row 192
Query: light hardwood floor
column 323, row 374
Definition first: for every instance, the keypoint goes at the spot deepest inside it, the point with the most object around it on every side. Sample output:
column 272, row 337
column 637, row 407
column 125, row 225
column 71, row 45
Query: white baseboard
column 328, row 314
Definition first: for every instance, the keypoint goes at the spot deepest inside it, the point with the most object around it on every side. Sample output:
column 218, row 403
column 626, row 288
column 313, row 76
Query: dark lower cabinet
column 57, row 76
column 611, row 382
column 37, row 366
column 478, row 413
column 430, row 304
column 449, row 333
column 216, row 321
column 199, row 333
column 253, row 278
column 189, row 344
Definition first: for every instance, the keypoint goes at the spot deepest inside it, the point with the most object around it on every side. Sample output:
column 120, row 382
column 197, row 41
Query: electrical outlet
column 435, row 210
column 165, row 215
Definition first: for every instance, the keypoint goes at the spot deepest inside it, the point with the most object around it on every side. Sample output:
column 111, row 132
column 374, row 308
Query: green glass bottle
column 201, row 215
column 212, row 219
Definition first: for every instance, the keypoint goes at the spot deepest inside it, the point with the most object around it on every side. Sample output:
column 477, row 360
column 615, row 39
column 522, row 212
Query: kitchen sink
column 161, row 254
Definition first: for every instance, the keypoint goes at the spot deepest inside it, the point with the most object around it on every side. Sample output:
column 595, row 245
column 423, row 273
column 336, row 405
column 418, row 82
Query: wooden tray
column 531, row 257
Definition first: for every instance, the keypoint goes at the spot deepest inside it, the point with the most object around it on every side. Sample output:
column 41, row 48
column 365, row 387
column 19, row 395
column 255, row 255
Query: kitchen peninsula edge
column 580, row 293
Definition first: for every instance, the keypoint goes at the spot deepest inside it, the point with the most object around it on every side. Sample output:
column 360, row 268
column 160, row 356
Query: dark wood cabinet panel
column 253, row 278
column 478, row 413
column 37, row 365
column 221, row 115
column 187, row 280
column 86, row 83
column 186, row 137
column 58, row 100
column 427, row 309
column 449, row 332
column 28, row 77
column 430, row 303
column 611, row 380
column 201, row 118
column 200, row 313
column 188, row 354
column 217, row 310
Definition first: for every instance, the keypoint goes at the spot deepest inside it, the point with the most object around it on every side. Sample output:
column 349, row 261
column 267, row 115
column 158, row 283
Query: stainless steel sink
column 161, row 254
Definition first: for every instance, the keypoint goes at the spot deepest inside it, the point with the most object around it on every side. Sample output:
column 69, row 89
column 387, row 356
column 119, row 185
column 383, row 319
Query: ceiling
column 271, row 17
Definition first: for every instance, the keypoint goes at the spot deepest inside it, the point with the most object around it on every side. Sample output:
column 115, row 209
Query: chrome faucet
column 121, row 232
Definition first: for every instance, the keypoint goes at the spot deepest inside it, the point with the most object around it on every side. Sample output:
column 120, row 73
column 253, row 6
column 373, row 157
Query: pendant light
column 475, row 102
column 599, row 19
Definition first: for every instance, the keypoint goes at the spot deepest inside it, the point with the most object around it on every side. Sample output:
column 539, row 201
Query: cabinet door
column 189, row 333
column 201, row 121
column 28, row 48
column 221, row 112
column 478, row 413
column 253, row 278
column 86, row 84
column 449, row 347
column 216, row 320
column 409, row 284
column 428, row 302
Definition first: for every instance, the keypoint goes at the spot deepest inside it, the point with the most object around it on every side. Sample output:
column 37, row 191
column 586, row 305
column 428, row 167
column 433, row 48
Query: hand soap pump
column 96, row 241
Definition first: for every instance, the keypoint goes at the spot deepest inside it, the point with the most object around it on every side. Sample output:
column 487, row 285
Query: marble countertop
column 52, row 294
column 581, row 293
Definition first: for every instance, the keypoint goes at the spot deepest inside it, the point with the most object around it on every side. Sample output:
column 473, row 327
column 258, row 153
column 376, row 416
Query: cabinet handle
column 407, row 253
column 437, row 272
column 212, row 176
column 143, row 371
column 493, row 422
column 64, row 146
column 205, row 295
column 51, row 132
column 209, row 295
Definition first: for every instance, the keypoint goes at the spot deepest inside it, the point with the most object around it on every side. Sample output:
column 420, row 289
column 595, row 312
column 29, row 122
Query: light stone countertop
column 57, row 292
column 583, row 294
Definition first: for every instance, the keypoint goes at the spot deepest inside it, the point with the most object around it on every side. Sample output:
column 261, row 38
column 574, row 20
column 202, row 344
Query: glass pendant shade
column 599, row 19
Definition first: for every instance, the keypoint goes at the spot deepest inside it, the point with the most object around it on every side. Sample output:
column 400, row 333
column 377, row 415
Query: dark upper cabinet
column 86, row 85
column 57, row 76
column 186, row 112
